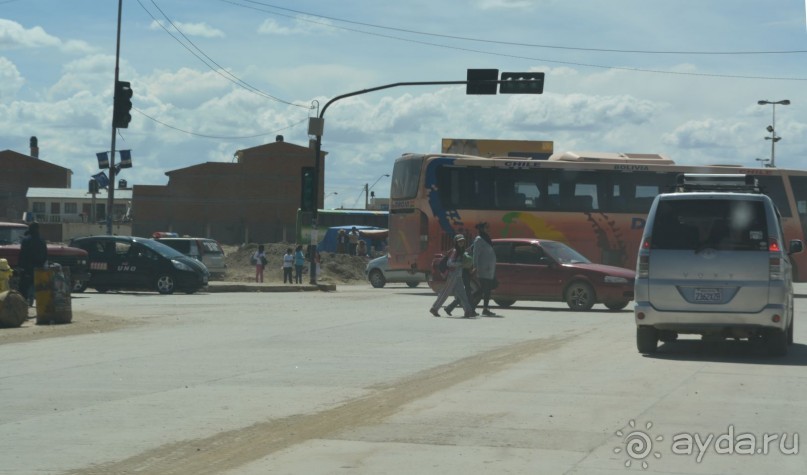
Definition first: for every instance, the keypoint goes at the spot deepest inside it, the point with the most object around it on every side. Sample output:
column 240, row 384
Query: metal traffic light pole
column 111, row 186
column 511, row 83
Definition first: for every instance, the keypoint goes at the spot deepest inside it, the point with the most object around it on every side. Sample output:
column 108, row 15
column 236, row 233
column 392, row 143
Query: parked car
column 713, row 262
column 544, row 270
column 207, row 250
column 134, row 263
column 379, row 274
column 11, row 235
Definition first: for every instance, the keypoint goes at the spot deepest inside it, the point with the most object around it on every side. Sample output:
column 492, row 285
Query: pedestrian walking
column 454, row 284
column 288, row 263
column 485, row 265
column 467, row 272
column 299, row 262
column 260, row 261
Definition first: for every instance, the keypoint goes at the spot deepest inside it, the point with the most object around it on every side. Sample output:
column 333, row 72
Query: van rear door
column 709, row 252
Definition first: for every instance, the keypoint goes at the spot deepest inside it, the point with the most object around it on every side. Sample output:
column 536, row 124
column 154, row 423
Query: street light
column 367, row 190
column 763, row 161
column 772, row 128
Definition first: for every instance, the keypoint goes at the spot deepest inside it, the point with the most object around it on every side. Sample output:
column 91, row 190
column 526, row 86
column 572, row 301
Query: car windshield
column 11, row 235
column 161, row 248
column 563, row 253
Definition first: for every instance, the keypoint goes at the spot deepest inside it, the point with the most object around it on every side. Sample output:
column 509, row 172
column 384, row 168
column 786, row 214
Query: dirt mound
column 336, row 268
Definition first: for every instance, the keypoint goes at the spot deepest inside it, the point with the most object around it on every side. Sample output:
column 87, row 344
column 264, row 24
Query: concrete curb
column 216, row 287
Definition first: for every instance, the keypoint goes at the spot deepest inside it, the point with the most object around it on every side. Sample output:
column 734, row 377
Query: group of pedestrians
column 462, row 267
column 350, row 243
column 293, row 261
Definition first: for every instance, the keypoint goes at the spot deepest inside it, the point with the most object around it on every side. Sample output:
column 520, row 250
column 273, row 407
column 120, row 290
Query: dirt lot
column 336, row 269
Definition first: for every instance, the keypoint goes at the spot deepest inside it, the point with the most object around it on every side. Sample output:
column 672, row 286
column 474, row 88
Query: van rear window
column 731, row 225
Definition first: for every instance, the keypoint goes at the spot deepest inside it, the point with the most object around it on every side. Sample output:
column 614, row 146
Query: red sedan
column 539, row 269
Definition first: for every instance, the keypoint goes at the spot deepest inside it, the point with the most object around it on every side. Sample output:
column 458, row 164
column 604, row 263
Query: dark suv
column 134, row 263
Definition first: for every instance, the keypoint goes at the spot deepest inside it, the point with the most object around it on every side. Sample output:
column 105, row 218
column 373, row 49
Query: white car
column 379, row 274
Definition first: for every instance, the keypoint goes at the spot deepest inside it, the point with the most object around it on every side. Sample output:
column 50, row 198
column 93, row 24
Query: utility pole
column 110, row 200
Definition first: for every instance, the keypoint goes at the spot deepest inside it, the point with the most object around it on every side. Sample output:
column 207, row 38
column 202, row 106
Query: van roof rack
column 717, row 182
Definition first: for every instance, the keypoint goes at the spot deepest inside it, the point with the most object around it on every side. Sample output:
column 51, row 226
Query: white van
column 208, row 251
column 712, row 261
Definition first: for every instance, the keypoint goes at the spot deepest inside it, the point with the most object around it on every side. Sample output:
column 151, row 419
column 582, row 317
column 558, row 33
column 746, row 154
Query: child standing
column 259, row 258
column 288, row 260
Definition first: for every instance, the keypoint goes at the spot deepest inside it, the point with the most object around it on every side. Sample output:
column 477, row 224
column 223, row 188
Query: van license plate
column 708, row 295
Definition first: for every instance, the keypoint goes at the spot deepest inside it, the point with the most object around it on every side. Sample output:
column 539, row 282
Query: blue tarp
column 328, row 241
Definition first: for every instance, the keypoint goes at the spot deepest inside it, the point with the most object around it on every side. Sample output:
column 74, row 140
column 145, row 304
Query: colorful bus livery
column 595, row 202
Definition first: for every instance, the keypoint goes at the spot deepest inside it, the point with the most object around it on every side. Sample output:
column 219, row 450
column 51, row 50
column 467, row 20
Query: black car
column 134, row 263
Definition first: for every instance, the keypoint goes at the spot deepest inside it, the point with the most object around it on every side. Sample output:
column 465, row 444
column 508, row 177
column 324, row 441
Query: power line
column 513, row 56
column 216, row 136
column 510, row 43
column 221, row 71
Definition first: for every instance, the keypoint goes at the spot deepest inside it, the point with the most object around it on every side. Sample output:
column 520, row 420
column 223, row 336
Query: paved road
column 363, row 380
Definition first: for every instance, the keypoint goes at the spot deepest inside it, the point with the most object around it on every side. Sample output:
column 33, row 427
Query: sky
column 210, row 77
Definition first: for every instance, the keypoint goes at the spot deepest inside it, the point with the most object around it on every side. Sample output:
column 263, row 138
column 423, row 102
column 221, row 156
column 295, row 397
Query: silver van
column 712, row 262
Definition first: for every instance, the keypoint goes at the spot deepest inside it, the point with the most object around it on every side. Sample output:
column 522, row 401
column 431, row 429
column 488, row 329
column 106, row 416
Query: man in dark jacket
column 33, row 253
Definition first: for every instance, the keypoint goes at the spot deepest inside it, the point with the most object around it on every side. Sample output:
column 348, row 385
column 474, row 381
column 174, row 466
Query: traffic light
column 93, row 186
column 123, row 104
column 307, row 189
column 522, row 83
column 475, row 84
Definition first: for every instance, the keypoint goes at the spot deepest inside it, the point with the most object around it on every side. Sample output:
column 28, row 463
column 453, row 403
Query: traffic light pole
column 111, row 186
column 510, row 79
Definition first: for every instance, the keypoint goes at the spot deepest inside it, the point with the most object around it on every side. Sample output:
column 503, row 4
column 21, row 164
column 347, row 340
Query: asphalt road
column 365, row 381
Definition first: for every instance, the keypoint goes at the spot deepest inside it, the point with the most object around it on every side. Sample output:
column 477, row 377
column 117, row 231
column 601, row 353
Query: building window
column 70, row 208
column 38, row 207
column 56, row 208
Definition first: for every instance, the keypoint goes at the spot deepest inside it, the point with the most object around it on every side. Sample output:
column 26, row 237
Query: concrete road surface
column 365, row 381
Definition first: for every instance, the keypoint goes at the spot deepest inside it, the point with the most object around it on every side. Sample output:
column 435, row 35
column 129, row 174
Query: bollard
column 53, row 287
column 5, row 275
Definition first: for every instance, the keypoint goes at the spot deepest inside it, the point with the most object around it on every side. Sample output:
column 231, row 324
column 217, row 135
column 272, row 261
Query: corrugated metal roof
column 74, row 193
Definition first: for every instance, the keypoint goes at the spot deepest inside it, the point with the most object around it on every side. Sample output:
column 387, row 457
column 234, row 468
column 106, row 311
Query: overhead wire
column 514, row 56
column 512, row 43
column 220, row 70
column 220, row 137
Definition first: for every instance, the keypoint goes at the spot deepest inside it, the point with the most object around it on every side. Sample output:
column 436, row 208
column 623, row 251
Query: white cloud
column 503, row 4
column 190, row 29
column 11, row 81
column 303, row 25
column 13, row 36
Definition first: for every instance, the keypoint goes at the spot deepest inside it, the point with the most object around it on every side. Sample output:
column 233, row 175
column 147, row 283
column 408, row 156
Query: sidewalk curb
column 216, row 287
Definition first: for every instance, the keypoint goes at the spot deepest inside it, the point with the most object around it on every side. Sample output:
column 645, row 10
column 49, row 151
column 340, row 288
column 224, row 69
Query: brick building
column 253, row 199
column 19, row 172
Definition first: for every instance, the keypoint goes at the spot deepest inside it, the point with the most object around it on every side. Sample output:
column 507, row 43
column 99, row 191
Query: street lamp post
column 772, row 128
column 763, row 161
column 367, row 190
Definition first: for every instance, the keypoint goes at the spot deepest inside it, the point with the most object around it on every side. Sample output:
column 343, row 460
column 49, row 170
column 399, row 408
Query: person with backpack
column 454, row 285
column 33, row 254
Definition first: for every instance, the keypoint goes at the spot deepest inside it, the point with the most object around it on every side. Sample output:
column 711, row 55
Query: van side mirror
column 796, row 246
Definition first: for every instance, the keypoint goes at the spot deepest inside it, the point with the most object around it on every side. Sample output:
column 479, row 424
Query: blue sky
column 679, row 77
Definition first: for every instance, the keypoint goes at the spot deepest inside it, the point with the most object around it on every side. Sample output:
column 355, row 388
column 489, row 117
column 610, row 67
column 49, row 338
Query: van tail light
column 643, row 269
column 646, row 243
column 773, row 246
column 775, row 268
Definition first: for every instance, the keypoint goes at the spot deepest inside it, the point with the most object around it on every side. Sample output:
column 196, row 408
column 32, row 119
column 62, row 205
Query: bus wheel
column 377, row 279
column 504, row 303
column 412, row 285
column 165, row 284
column 580, row 296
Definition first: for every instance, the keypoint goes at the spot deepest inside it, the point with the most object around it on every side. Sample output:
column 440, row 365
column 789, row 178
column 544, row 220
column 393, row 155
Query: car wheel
column 504, row 303
column 101, row 289
column 580, row 296
column 165, row 284
column 412, row 285
column 617, row 305
column 79, row 286
column 790, row 332
column 377, row 279
column 646, row 339
column 776, row 342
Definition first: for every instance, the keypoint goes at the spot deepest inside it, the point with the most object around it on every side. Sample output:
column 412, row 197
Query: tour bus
column 595, row 202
